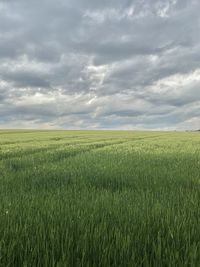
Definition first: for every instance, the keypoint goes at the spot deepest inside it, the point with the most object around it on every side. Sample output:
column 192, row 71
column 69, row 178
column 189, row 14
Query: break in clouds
column 100, row 64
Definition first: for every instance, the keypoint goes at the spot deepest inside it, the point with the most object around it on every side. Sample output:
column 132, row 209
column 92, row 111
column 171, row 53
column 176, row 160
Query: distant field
column 99, row 198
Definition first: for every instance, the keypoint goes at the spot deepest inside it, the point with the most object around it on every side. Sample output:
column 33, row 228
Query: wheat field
column 99, row 198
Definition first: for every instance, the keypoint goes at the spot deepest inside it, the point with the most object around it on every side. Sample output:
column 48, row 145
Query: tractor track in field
column 58, row 156
column 38, row 140
column 61, row 155
column 31, row 151
column 57, row 139
column 27, row 152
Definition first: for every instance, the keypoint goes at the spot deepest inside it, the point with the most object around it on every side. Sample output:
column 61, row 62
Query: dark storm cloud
column 100, row 64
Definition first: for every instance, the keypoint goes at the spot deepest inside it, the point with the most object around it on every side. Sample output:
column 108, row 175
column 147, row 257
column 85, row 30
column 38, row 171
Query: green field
column 99, row 198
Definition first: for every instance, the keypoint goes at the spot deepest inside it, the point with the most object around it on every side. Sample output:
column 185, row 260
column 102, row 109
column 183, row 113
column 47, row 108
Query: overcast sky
column 92, row 64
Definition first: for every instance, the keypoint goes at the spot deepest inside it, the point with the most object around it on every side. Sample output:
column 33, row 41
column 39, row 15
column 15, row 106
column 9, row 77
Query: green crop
column 99, row 198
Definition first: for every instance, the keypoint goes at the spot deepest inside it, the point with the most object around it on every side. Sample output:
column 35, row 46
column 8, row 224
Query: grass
column 97, row 198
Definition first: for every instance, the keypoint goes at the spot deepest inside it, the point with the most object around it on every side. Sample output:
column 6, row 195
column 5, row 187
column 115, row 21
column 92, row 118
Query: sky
column 92, row 64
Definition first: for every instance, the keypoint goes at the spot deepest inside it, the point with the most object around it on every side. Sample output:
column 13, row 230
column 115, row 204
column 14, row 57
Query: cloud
column 100, row 64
